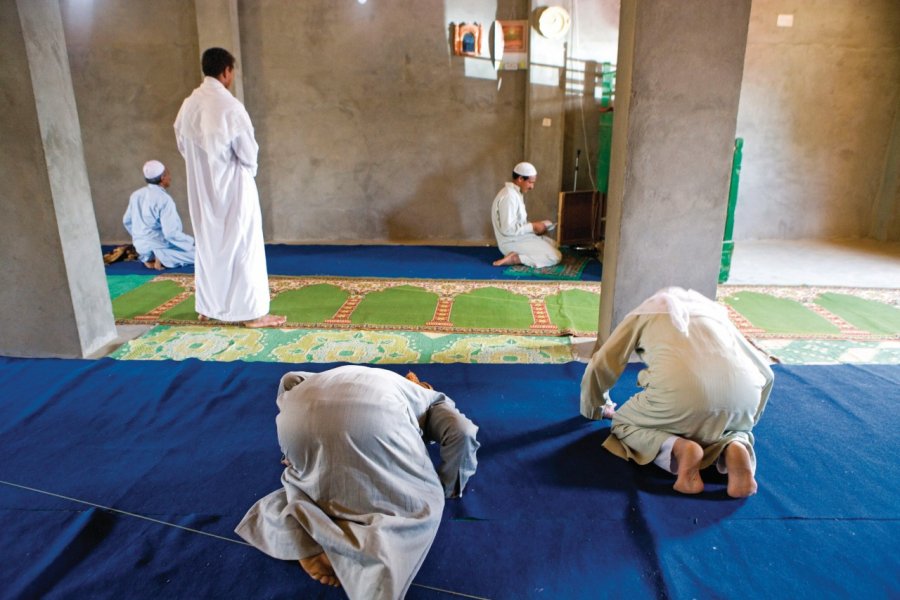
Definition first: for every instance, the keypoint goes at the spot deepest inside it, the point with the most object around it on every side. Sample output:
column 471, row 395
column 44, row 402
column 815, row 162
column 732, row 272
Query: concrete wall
column 371, row 131
column 132, row 65
column 817, row 111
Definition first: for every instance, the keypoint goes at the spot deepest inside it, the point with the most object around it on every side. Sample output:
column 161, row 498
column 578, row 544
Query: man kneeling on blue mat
column 705, row 388
column 360, row 501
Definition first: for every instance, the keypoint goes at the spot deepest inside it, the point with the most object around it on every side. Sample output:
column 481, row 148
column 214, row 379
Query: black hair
column 518, row 176
column 155, row 180
column 215, row 61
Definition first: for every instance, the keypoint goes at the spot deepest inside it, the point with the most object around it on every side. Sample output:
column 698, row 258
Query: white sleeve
column 507, row 220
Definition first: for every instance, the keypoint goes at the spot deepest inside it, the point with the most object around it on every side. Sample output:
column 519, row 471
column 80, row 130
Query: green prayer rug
column 857, row 314
column 549, row 308
column 165, row 342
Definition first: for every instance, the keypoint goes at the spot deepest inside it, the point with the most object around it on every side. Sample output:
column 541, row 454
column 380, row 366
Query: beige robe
column 360, row 484
column 710, row 386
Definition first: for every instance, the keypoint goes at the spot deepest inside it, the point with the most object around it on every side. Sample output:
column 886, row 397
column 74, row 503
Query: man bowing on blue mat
column 361, row 501
column 705, row 388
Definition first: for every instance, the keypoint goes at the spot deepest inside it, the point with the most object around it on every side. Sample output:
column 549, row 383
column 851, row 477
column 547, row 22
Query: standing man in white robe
column 361, row 500
column 152, row 221
column 215, row 136
column 521, row 242
column 705, row 388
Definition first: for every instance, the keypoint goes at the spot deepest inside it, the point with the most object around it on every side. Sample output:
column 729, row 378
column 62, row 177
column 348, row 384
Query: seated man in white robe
column 361, row 500
column 705, row 388
column 154, row 225
column 521, row 242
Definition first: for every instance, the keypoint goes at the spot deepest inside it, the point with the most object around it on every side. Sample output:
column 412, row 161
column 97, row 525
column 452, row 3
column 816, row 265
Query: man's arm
column 170, row 224
column 456, row 435
column 244, row 144
column 607, row 365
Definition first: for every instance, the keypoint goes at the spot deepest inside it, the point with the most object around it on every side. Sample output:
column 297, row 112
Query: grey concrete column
column 545, row 117
column 217, row 26
column 886, row 212
column 678, row 83
column 52, row 281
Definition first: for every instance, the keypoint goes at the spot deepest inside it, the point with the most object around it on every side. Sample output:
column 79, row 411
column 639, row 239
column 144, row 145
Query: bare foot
column 266, row 321
column 203, row 317
column 154, row 264
column 741, row 480
column 319, row 568
column 688, row 454
column 510, row 259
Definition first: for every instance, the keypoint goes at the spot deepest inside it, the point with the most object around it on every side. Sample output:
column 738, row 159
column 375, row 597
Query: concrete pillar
column 217, row 26
column 886, row 212
column 52, row 281
column 678, row 83
column 545, row 116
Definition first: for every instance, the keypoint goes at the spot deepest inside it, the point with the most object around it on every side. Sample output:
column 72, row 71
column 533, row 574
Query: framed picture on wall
column 467, row 39
column 515, row 44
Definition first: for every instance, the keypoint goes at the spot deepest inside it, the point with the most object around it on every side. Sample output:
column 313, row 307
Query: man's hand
column 540, row 227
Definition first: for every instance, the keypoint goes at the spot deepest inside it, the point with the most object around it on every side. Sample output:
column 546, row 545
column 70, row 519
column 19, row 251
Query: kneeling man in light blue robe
column 154, row 225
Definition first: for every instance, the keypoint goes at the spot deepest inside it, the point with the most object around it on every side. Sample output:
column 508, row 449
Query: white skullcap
column 153, row 169
column 525, row 169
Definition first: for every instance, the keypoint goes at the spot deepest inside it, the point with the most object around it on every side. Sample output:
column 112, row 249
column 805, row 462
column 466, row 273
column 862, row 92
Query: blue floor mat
column 549, row 514
column 421, row 262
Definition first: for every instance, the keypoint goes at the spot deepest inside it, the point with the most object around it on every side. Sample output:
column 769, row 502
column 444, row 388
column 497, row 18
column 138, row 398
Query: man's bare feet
column 741, row 480
column 266, row 321
column 688, row 455
column 608, row 411
column 203, row 318
column 510, row 259
column 154, row 264
column 319, row 568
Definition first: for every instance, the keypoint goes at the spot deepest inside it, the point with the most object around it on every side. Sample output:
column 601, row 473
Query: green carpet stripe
column 145, row 298
column 183, row 311
column 574, row 310
column 401, row 305
column 120, row 284
column 491, row 308
column 868, row 315
column 779, row 315
column 309, row 304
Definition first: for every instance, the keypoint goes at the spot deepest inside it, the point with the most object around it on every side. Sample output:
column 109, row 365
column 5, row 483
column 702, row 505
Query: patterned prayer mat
column 831, row 352
column 571, row 266
column 322, row 346
column 548, row 308
column 813, row 313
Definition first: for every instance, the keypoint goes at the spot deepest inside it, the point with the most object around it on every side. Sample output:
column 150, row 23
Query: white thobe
column 515, row 234
column 152, row 221
column 215, row 136
column 360, row 484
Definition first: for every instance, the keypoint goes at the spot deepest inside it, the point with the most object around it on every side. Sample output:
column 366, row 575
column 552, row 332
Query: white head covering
column 153, row 169
column 680, row 304
column 525, row 169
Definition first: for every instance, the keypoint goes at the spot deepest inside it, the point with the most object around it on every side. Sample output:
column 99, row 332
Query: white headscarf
column 681, row 304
